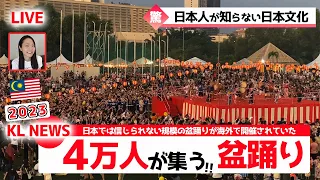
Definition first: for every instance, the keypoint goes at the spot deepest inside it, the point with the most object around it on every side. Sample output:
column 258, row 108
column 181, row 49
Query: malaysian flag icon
column 25, row 89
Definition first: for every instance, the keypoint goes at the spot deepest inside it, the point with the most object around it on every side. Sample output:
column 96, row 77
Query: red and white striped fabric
column 32, row 90
column 273, row 112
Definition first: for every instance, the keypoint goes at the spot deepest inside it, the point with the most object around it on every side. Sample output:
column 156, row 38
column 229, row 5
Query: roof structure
column 3, row 60
column 195, row 60
column 264, row 52
column 60, row 60
column 143, row 61
column 117, row 62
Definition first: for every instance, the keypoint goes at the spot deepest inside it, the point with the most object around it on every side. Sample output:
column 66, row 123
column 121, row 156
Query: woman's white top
column 14, row 141
column 27, row 64
column 216, row 175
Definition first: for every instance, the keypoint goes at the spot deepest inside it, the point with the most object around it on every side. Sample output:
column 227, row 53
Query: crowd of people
column 126, row 99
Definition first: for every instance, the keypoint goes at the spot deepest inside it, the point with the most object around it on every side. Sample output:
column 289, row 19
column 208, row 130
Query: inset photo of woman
column 27, row 51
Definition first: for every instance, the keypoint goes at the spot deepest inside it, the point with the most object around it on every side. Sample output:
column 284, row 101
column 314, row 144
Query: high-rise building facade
column 191, row 3
column 202, row 3
column 125, row 18
column 6, row 6
column 213, row 3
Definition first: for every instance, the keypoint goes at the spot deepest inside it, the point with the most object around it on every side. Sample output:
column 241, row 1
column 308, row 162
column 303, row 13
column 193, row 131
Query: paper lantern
column 67, row 67
column 82, row 90
column 187, row 72
column 162, row 77
column 195, row 71
column 153, row 78
column 71, row 91
column 104, row 86
column 57, row 67
column 144, row 81
column 47, row 96
column 171, row 74
column 8, row 100
column 179, row 74
column 93, row 89
column 125, row 83
column 115, row 85
column 134, row 82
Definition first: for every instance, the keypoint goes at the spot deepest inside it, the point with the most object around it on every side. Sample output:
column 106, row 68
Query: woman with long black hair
column 28, row 59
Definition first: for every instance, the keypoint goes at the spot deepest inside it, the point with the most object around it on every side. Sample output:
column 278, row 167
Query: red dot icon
column 49, row 142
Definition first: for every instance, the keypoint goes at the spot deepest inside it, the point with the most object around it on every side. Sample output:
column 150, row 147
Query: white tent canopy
column 244, row 61
column 196, row 60
column 117, row 62
column 316, row 61
column 87, row 60
column 143, row 61
column 4, row 60
column 60, row 60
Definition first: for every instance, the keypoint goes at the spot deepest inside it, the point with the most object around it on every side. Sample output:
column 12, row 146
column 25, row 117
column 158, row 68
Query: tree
column 4, row 30
column 185, row 44
column 273, row 54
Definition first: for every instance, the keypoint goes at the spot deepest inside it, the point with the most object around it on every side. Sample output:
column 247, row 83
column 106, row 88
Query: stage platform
column 288, row 108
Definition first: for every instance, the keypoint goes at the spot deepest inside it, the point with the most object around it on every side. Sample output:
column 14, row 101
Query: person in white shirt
column 28, row 59
column 217, row 176
column 15, row 144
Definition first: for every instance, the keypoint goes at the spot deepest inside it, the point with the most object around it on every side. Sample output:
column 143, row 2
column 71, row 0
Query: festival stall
column 195, row 61
column 89, row 71
column 141, row 62
column 117, row 62
column 272, row 54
